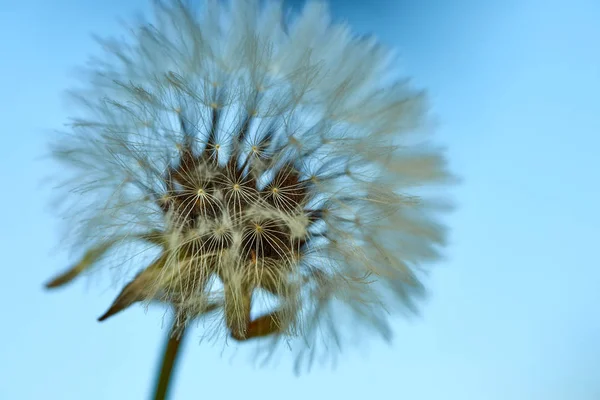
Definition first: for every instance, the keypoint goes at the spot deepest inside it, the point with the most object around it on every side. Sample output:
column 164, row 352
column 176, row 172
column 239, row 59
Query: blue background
column 513, row 312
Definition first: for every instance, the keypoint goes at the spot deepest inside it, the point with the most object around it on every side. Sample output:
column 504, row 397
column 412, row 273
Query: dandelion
column 257, row 169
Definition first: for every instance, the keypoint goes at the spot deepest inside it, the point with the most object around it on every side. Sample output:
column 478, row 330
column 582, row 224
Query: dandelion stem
column 172, row 346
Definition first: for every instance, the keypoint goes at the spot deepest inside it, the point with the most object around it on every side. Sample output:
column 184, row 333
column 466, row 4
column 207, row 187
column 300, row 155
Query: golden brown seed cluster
column 223, row 202
column 247, row 234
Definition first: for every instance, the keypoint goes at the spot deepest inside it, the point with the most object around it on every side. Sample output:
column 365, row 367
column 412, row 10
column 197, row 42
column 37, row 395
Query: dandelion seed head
column 257, row 152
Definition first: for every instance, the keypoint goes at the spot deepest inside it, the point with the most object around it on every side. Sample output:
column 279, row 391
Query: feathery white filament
column 272, row 152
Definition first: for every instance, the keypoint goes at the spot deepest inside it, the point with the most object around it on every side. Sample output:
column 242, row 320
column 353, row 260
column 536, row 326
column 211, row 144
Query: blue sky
column 513, row 312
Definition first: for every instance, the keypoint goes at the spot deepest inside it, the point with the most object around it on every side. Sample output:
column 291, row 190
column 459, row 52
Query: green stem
column 169, row 360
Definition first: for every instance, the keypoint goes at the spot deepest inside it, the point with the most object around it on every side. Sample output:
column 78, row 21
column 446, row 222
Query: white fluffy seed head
column 270, row 152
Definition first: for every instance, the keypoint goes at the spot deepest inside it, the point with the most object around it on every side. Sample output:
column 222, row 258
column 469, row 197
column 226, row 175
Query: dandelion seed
column 255, row 153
